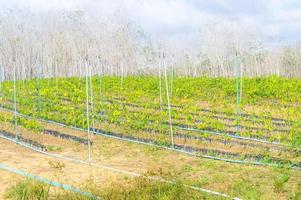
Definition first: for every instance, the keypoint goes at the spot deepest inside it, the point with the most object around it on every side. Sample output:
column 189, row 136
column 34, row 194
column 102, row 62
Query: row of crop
column 69, row 88
column 116, row 113
column 136, row 120
column 208, row 89
column 211, row 152
column 264, row 124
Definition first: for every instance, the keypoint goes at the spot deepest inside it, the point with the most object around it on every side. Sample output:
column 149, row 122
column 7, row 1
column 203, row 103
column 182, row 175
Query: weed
column 28, row 190
column 54, row 148
column 56, row 165
column 245, row 189
column 279, row 182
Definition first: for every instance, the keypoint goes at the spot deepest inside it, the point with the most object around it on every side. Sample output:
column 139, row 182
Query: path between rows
column 32, row 162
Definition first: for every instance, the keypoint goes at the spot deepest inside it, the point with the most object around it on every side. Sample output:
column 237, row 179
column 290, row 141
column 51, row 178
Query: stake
column 121, row 80
column 241, row 81
column 56, row 77
column 237, row 99
column 100, row 81
column 87, row 111
column 92, row 99
column 171, row 82
column 160, row 81
column 100, row 86
column 39, row 90
column 168, row 103
column 100, row 89
column 1, row 79
column 15, row 102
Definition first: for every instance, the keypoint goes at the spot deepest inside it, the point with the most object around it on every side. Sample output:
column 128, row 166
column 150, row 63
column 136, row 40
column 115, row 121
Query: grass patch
column 145, row 189
column 54, row 148
column 245, row 189
column 279, row 182
column 28, row 190
column 138, row 188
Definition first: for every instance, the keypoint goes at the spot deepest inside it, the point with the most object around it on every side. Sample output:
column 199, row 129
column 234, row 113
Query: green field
column 205, row 119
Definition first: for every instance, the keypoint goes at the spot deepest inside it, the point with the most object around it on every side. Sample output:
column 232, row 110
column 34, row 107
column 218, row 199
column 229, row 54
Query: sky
column 277, row 19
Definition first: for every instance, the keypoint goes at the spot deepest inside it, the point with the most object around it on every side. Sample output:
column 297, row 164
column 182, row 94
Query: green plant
column 279, row 182
column 246, row 190
column 28, row 190
column 54, row 148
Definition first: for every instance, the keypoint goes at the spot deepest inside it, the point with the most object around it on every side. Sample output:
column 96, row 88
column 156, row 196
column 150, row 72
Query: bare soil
column 214, row 175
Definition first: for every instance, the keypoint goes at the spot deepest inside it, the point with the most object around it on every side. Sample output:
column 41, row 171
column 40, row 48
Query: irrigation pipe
column 152, row 144
column 117, row 170
column 46, row 181
column 231, row 135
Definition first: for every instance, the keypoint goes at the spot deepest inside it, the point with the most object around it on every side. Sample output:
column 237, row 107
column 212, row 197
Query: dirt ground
column 233, row 179
column 5, row 180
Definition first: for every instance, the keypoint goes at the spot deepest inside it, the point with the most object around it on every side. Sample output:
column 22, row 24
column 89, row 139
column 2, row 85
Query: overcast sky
column 278, row 19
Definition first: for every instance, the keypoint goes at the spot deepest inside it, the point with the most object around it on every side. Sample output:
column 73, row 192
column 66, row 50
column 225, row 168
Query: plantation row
column 207, row 103
column 36, row 141
column 203, row 112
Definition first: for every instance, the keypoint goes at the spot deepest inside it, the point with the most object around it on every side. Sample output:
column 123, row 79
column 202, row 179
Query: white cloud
column 275, row 18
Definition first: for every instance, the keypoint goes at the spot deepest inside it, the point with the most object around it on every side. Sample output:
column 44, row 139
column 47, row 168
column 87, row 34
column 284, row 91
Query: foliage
column 270, row 107
column 28, row 190
column 139, row 188
column 279, row 182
